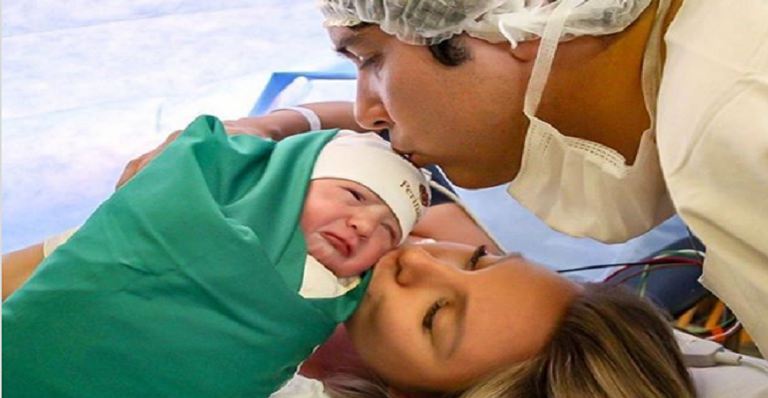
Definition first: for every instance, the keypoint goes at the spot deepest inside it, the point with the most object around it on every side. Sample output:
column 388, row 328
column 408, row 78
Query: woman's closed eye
column 432, row 311
column 429, row 317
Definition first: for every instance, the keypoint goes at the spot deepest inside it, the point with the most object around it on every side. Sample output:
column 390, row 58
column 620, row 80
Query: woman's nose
column 417, row 267
column 370, row 112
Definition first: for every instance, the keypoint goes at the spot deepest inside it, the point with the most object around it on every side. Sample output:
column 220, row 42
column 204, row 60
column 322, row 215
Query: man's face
column 346, row 226
column 466, row 118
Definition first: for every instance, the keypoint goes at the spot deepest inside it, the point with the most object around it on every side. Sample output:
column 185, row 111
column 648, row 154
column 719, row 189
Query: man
column 568, row 101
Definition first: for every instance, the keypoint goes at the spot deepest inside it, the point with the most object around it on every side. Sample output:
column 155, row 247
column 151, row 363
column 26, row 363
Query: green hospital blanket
column 182, row 284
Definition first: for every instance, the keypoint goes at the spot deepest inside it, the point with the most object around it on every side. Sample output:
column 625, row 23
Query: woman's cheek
column 332, row 358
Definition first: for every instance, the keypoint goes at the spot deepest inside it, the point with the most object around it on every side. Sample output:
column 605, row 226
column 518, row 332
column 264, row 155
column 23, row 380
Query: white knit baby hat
column 367, row 159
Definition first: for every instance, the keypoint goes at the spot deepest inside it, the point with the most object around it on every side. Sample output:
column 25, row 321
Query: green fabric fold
column 182, row 284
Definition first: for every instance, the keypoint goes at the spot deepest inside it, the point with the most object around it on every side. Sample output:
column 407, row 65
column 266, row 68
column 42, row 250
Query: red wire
column 656, row 262
column 654, row 268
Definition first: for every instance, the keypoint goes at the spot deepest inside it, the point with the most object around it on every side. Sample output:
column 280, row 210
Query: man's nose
column 370, row 112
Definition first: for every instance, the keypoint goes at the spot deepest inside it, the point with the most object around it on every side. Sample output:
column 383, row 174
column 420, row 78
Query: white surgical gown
column 713, row 144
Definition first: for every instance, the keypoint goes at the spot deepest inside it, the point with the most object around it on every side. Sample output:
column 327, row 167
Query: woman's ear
column 526, row 50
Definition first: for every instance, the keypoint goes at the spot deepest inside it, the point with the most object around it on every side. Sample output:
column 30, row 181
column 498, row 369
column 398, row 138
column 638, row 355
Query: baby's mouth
column 341, row 245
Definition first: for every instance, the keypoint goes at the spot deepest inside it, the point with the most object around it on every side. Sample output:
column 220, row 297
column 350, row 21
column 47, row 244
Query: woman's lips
column 338, row 243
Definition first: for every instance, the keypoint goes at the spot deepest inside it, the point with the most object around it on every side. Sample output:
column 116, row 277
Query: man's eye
column 429, row 317
column 479, row 253
column 364, row 62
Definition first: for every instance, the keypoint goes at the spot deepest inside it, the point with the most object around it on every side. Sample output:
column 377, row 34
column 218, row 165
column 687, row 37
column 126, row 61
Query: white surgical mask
column 583, row 188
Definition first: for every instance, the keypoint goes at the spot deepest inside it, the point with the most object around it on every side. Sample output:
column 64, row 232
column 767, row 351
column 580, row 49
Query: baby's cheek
column 384, row 246
column 365, row 262
column 366, row 258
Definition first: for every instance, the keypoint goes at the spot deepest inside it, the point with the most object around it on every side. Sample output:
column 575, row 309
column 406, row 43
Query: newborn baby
column 213, row 272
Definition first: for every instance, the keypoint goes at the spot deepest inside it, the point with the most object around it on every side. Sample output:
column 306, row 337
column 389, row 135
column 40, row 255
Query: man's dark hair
column 451, row 52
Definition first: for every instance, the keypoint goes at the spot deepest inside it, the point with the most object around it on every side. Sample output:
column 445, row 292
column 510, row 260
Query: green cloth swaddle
column 182, row 284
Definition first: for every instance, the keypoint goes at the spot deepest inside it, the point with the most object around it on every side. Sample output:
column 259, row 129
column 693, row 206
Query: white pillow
column 715, row 382
column 723, row 381
column 730, row 382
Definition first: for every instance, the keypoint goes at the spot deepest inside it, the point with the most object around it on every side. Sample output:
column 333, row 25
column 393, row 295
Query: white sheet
column 87, row 85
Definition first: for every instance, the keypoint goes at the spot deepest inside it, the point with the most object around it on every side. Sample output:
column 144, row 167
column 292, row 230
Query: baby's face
column 347, row 227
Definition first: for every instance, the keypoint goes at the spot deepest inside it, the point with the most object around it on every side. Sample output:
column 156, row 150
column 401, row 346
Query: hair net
column 432, row 21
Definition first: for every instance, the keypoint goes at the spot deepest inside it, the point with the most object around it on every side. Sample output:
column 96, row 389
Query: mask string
column 550, row 38
column 651, row 74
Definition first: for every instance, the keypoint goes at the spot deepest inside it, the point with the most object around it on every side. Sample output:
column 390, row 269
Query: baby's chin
column 328, row 258
column 339, row 269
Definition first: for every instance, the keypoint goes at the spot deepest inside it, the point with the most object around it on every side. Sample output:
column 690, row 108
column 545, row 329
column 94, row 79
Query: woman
column 436, row 317
column 450, row 319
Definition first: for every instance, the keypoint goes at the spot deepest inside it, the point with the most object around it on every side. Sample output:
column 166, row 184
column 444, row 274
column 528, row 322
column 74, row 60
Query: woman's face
column 433, row 319
column 466, row 118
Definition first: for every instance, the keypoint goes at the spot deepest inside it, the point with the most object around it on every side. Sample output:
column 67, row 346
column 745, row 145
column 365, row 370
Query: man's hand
column 262, row 126
column 135, row 165
column 276, row 125
column 267, row 126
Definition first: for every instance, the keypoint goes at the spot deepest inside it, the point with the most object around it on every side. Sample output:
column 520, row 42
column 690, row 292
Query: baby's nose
column 362, row 225
column 366, row 220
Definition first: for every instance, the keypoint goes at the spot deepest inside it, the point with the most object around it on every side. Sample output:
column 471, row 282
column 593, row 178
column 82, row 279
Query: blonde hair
column 609, row 344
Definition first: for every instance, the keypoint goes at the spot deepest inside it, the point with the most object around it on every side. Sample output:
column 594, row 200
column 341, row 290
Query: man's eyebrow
column 350, row 40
